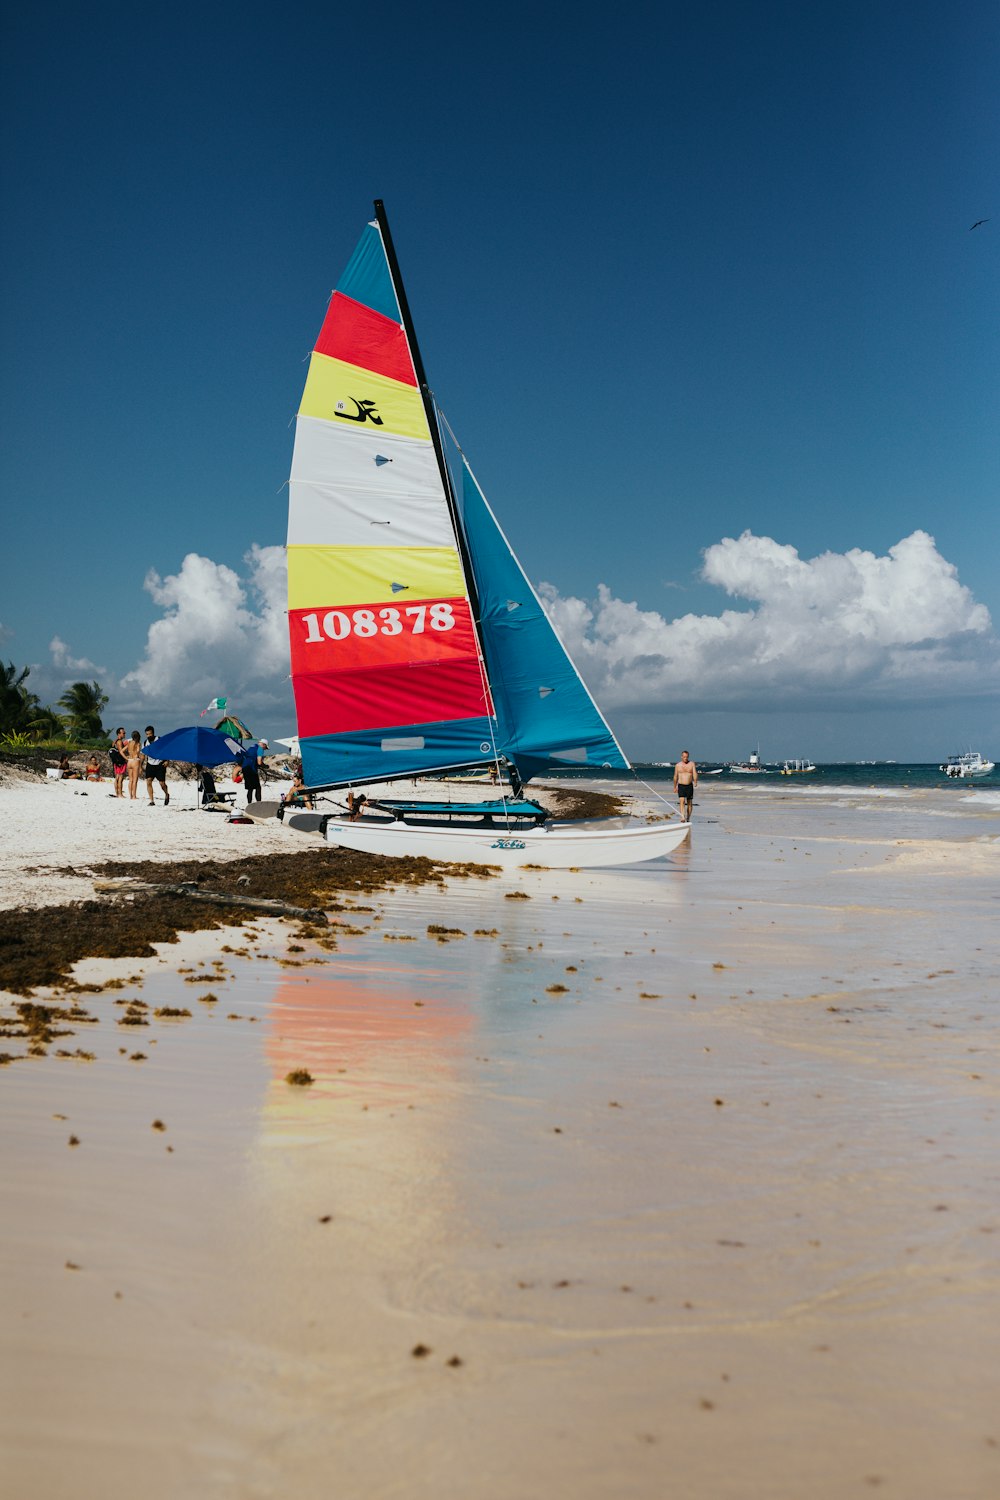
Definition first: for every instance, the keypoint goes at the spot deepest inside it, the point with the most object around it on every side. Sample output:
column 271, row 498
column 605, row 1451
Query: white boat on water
column 797, row 767
column 418, row 646
column 970, row 764
column 751, row 767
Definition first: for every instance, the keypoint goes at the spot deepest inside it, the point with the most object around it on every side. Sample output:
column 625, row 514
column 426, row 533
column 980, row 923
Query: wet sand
column 675, row 1180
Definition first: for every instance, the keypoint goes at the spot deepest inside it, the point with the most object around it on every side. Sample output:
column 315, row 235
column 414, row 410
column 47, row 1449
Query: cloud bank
column 840, row 630
column 220, row 633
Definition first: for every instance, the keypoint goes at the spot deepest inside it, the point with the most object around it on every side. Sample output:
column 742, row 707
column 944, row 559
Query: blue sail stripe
column 366, row 278
column 396, row 751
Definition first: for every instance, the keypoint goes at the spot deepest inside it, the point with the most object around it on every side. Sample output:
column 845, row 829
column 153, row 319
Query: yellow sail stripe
column 359, row 401
column 324, row 577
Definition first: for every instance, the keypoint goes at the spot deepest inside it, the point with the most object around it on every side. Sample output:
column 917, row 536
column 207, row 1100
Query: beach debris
column 516, row 896
column 167, row 1011
column 454, row 1362
column 74, row 1140
column 191, row 892
column 420, row 1351
column 557, row 989
column 71, row 1265
column 158, row 1125
column 325, row 1218
column 299, row 1077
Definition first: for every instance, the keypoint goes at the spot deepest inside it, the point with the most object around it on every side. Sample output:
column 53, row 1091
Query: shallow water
column 715, row 1217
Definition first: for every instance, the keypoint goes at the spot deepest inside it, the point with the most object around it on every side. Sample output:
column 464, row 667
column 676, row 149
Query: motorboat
column 967, row 765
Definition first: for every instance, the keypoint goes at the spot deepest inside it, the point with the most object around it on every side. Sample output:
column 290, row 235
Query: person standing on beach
column 685, row 781
column 119, row 760
column 156, row 770
column 133, row 763
column 251, row 773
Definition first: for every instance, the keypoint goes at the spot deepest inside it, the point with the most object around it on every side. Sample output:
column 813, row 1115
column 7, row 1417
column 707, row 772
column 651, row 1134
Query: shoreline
column 671, row 1179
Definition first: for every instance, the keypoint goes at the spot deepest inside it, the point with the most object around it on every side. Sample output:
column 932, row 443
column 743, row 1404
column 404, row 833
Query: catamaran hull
column 555, row 847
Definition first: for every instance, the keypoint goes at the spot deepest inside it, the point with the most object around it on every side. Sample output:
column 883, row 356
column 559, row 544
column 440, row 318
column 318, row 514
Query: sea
column 846, row 775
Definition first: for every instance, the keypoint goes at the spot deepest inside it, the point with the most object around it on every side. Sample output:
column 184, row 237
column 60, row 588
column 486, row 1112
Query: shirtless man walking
column 685, row 781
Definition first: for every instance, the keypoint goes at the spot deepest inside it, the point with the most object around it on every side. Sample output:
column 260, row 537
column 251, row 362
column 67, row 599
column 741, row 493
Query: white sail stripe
column 328, row 453
column 326, row 515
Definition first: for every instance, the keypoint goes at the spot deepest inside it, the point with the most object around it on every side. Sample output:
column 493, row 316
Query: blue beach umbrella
column 197, row 746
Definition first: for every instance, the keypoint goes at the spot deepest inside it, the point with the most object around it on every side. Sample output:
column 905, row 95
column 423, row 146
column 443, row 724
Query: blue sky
column 678, row 275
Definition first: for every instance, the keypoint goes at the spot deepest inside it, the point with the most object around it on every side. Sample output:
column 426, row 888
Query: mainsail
column 417, row 643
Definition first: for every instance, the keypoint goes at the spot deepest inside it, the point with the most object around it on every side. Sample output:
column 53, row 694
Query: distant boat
column 751, row 767
column 796, row 767
column 959, row 767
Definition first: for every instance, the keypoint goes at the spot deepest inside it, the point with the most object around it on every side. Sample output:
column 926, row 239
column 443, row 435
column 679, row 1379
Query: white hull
column 560, row 847
column 963, row 767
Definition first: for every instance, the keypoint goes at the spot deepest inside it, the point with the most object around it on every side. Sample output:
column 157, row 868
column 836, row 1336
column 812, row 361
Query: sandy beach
column 675, row 1180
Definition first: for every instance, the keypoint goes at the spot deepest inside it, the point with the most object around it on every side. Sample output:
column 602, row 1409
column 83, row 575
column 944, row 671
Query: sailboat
column 418, row 646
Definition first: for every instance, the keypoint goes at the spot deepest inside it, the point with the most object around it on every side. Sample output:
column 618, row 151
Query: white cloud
column 840, row 629
column 72, row 666
column 220, row 633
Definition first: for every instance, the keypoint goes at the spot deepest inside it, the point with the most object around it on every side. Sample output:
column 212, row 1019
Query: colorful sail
column 546, row 718
column 386, row 664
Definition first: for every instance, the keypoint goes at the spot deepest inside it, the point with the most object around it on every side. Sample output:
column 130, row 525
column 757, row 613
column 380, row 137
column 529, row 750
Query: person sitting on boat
column 355, row 805
column 297, row 795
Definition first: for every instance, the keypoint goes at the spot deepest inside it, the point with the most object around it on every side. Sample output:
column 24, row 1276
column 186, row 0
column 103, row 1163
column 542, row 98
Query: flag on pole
column 217, row 703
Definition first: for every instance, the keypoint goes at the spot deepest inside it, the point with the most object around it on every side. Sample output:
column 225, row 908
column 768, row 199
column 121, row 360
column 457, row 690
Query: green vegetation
column 26, row 723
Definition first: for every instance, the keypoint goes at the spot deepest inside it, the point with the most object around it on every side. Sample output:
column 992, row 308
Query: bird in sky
column 977, row 223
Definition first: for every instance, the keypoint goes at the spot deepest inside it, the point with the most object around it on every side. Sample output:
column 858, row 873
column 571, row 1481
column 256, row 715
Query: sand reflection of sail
column 375, row 1024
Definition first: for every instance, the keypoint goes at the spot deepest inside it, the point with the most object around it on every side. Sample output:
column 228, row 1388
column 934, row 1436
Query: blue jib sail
column 546, row 718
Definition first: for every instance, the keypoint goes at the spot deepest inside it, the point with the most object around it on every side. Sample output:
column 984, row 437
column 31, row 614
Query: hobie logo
column 366, row 412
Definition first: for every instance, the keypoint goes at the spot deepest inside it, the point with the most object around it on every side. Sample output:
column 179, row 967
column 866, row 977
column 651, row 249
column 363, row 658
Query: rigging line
column 671, row 812
column 487, row 686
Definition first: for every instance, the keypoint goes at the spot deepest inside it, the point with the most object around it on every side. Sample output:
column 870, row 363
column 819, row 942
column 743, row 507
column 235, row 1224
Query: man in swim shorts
column 685, row 781
column 156, row 770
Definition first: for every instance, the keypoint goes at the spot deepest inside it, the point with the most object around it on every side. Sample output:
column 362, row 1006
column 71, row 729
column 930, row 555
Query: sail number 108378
column 338, row 624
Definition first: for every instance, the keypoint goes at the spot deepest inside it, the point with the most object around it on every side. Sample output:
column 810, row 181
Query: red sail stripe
column 360, row 336
column 424, row 694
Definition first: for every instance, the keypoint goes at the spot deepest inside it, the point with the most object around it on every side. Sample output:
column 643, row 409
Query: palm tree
column 17, row 705
column 84, row 703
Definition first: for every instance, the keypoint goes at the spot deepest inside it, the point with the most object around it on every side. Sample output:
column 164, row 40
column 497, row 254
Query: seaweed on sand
column 39, row 947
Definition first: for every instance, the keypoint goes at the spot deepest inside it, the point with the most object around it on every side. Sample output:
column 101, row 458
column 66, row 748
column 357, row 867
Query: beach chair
column 210, row 799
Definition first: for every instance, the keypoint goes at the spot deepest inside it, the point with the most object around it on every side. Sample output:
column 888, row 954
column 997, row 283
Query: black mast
column 431, row 415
